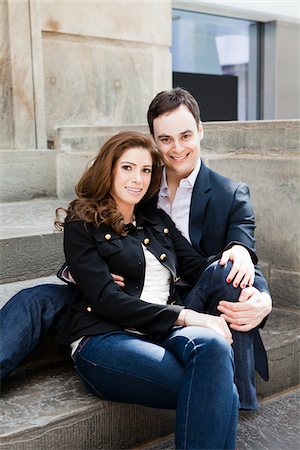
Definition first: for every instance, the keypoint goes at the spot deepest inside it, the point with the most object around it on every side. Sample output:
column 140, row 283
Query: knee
column 204, row 340
column 216, row 270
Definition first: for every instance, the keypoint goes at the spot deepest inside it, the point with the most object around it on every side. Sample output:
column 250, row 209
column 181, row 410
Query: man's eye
column 186, row 136
column 166, row 140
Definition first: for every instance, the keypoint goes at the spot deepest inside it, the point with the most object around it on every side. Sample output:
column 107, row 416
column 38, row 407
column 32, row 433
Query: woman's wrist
column 181, row 319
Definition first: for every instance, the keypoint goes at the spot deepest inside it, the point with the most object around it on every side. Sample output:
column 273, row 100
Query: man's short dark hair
column 167, row 101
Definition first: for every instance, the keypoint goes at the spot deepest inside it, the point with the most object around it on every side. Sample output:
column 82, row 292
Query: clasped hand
column 248, row 312
column 242, row 272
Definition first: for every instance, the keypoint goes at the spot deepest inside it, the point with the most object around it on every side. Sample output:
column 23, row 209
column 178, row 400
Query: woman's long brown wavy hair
column 94, row 203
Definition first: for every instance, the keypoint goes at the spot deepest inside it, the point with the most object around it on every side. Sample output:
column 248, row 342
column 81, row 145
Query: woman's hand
column 188, row 317
column 242, row 272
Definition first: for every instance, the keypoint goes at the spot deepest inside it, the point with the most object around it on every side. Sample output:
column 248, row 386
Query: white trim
column 257, row 12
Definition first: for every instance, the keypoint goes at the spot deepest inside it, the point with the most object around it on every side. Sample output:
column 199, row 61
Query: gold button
column 89, row 309
column 146, row 241
column 166, row 230
column 107, row 236
column 162, row 256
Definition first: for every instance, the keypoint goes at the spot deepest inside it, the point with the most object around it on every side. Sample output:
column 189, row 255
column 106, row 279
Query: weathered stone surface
column 281, row 336
column 21, row 72
column 6, row 105
column 28, row 246
column 98, row 89
column 26, row 174
column 50, row 408
column 263, row 137
column 85, row 138
column 105, row 19
column 275, row 427
column 286, row 288
column 274, row 184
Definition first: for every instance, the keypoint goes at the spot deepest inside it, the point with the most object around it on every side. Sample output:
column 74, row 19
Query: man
column 210, row 211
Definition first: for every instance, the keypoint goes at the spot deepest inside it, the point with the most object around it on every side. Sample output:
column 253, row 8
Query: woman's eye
column 126, row 167
column 147, row 170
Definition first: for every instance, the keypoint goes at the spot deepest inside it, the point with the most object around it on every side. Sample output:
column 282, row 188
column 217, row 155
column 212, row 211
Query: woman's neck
column 127, row 213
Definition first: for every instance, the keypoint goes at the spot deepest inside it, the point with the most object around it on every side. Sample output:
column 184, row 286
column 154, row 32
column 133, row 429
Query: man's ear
column 201, row 132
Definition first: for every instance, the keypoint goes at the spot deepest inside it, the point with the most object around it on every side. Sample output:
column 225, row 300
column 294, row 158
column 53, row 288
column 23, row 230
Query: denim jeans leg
column 207, row 407
column 25, row 318
column 121, row 367
column 204, row 297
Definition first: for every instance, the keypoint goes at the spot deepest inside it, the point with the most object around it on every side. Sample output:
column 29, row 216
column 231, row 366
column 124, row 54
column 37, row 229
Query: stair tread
column 28, row 218
column 276, row 426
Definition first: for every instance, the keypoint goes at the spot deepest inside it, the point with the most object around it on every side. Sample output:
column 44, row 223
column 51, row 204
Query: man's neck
column 173, row 181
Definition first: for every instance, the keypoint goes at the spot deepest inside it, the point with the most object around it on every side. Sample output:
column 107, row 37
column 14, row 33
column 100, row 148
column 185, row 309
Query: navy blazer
column 221, row 212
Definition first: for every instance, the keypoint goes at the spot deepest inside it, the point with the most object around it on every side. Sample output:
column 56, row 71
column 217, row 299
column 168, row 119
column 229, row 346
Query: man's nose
column 178, row 146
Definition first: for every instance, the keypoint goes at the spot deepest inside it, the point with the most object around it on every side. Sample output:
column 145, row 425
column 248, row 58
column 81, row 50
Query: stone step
column 275, row 427
column 49, row 408
column 29, row 246
column 27, row 174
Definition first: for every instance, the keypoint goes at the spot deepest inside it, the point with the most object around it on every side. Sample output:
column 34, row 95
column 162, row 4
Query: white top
column 179, row 210
column 156, row 287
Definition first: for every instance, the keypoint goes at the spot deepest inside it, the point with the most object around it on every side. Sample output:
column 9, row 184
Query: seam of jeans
column 194, row 350
column 149, row 380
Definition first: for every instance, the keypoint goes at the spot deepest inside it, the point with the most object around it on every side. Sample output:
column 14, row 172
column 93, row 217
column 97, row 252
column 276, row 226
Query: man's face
column 177, row 137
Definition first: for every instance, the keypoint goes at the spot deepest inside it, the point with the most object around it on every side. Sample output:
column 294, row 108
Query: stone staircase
column 43, row 403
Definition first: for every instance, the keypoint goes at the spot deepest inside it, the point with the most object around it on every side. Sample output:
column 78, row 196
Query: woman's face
column 131, row 177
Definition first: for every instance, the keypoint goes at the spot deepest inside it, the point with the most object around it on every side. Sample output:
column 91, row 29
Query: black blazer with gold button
column 99, row 305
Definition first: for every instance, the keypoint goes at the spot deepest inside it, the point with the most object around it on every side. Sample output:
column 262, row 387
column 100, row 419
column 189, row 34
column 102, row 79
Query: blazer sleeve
column 241, row 228
column 241, row 221
column 93, row 278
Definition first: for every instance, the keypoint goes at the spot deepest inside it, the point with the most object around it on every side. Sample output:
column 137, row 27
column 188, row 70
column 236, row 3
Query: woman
column 137, row 344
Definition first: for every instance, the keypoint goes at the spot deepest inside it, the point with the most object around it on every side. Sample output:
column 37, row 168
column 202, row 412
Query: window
column 217, row 59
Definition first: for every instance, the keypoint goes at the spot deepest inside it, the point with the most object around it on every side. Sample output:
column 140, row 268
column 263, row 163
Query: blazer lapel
column 199, row 201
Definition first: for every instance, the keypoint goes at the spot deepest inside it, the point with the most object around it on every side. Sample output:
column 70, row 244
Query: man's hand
column 118, row 280
column 248, row 312
column 242, row 272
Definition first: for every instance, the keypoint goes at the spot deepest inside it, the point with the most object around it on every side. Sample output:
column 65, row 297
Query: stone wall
column 74, row 63
column 265, row 155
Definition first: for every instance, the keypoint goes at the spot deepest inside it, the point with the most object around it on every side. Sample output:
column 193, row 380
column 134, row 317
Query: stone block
column 6, row 101
column 30, row 256
column 274, row 185
column 146, row 22
column 21, row 75
column 92, row 84
column 25, row 175
column 70, row 167
column 263, row 137
column 285, row 288
column 90, row 138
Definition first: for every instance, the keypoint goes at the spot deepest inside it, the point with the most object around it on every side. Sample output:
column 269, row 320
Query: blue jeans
column 190, row 370
column 25, row 318
column 205, row 297
column 32, row 312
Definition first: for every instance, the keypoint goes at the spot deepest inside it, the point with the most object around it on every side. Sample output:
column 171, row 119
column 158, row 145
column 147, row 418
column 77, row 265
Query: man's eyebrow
column 167, row 135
